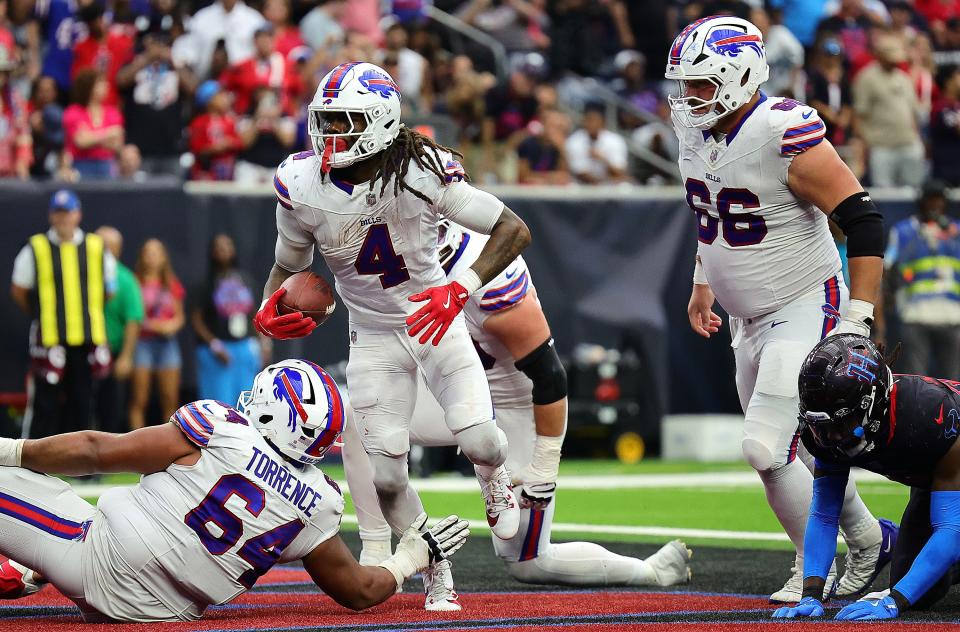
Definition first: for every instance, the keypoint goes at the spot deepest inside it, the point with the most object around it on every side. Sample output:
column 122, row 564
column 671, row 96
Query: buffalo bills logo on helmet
column 288, row 386
column 730, row 42
column 379, row 83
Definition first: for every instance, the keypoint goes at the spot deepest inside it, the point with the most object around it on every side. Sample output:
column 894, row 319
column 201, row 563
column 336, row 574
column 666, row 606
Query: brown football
column 308, row 293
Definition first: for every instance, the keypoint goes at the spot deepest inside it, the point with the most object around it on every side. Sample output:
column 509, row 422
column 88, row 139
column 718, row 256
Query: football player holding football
column 856, row 413
column 368, row 198
column 225, row 495
column 762, row 181
column 529, row 389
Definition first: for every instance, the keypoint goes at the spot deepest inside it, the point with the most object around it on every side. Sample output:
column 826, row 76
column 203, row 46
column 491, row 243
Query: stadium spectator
column 903, row 20
column 130, row 164
column 286, row 35
column 829, row 91
column 886, row 105
column 921, row 69
column 851, row 24
column 784, row 55
column 46, row 127
column 541, row 158
column 16, row 143
column 464, row 98
column 68, row 339
column 154, row 92
column 214, row 140
column 157, row 357
column 93, row 129
column 945, row 128
column 801, row 17
column 509, row 107
column 940, row 15
column 55, row 33
column 363, row 17
column 228, row 21
column 517, row 24
column 321, row 28
column 586, row 33
column 267, row 69
column 105, row 49
column 123, row 315
column 413, row 71
column 659, row 138
column 632, row 86
column 923, row 262
column 597, row 155
column 228, row 353
column 268, row 136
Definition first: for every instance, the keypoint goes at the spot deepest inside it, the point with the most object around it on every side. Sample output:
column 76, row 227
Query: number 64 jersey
column 381, row 249
column 760, row 246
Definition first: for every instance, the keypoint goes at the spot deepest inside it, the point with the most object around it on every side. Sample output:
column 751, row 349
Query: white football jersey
column 761, row 247
column 381, row 249
column 193, row 536
column 509, row 388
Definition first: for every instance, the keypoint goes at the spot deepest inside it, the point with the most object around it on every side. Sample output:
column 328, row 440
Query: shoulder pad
column 288, row 172
column 198, row 419
column 798, row 126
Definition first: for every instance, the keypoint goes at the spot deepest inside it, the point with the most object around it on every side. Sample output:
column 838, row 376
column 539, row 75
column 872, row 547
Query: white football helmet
column 297, row 407
column 363, row 92
column 724, row 50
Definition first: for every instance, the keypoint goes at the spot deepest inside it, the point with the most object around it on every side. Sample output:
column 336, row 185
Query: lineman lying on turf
column 528, row 386
column 857, row 413
column 225, row 496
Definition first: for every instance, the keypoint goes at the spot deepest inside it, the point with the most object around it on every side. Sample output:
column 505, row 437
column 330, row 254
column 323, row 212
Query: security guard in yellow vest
column 62, row 278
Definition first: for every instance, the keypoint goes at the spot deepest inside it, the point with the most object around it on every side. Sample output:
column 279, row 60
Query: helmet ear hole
column 745, row 78
column 265, row 419
column 310, row 432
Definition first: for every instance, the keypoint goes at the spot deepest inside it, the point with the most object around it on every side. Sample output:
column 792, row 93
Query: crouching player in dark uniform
column 856, row 413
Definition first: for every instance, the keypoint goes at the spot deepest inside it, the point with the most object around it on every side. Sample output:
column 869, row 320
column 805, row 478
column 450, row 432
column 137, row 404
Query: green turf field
column 740, row 508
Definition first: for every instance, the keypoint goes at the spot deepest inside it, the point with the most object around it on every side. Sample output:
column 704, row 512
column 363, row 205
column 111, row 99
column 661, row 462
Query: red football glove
column 446, row 301
column 282, row 327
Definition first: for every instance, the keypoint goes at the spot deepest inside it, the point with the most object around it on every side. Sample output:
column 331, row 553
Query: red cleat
column 18, row 581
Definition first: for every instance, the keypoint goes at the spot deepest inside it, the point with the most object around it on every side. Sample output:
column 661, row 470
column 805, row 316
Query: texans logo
column 953, row 417
column 730, row 42
column 288, row 387
column 380, row 84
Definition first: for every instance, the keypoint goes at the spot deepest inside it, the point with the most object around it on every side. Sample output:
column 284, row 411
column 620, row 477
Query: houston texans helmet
column 726, row 51
column 844, row 393
column 297, row 407
column 369, row 98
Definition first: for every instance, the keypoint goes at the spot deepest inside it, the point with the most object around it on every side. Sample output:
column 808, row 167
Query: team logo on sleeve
column 731, row 42
column 380, row 84
column 454, row 172
column 290, row 387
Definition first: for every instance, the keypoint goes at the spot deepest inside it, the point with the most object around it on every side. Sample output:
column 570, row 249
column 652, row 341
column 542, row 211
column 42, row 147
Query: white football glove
column 419, row 547
column 857, row 320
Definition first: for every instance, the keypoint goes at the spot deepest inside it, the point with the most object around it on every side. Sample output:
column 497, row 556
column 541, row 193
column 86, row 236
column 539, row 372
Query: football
column 308, row 293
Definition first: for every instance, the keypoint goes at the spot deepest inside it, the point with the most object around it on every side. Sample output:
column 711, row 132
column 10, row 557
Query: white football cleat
column 864, row 565
column 792, row 591
column 671, row 564
column 438, row 588
column 503, row 511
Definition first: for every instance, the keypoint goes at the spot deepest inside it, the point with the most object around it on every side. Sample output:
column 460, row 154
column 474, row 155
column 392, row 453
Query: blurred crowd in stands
column 531, row 91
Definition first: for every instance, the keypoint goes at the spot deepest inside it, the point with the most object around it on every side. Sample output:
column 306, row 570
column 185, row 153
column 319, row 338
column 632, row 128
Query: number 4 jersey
column 192, row 536
column 380, row 248
column 761, row 247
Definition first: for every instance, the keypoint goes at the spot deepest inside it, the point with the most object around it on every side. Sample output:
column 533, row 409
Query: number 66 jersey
column 760, row 246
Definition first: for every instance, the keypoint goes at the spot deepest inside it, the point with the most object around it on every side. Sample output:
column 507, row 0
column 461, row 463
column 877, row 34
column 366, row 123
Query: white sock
column 860, row 529
column 583, row 564
column 374, row 551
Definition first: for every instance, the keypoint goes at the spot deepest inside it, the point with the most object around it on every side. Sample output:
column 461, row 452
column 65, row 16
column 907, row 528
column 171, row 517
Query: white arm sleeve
column 24, row 269
column 294, row 250
column 470, row 207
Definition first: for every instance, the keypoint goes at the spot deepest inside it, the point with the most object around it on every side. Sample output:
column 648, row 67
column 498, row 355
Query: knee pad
column 389, row 474
column 483, row 444
column 543, row 367
column 756, row 454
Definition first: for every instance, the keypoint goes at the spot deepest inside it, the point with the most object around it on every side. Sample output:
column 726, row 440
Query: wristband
column 470, row 280
column 861, row 311
column 391, row 565
column 699, row 276
column 10, row 452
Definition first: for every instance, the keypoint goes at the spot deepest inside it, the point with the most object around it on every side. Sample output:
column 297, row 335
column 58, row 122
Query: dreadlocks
column 395, row 160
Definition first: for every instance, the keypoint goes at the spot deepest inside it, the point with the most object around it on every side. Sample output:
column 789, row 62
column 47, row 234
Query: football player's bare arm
column 334, row 569
column 274, row 280
column 507, row 240
column 522, row 329
column 144, row 451
column 703, row 320
column 21, row 296
column 820, row 177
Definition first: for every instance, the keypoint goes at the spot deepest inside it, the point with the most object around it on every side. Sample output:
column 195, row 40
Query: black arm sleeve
column 862, row 223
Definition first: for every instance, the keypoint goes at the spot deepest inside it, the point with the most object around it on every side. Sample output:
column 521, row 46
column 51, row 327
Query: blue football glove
column 808, row 607
column 885, row 608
